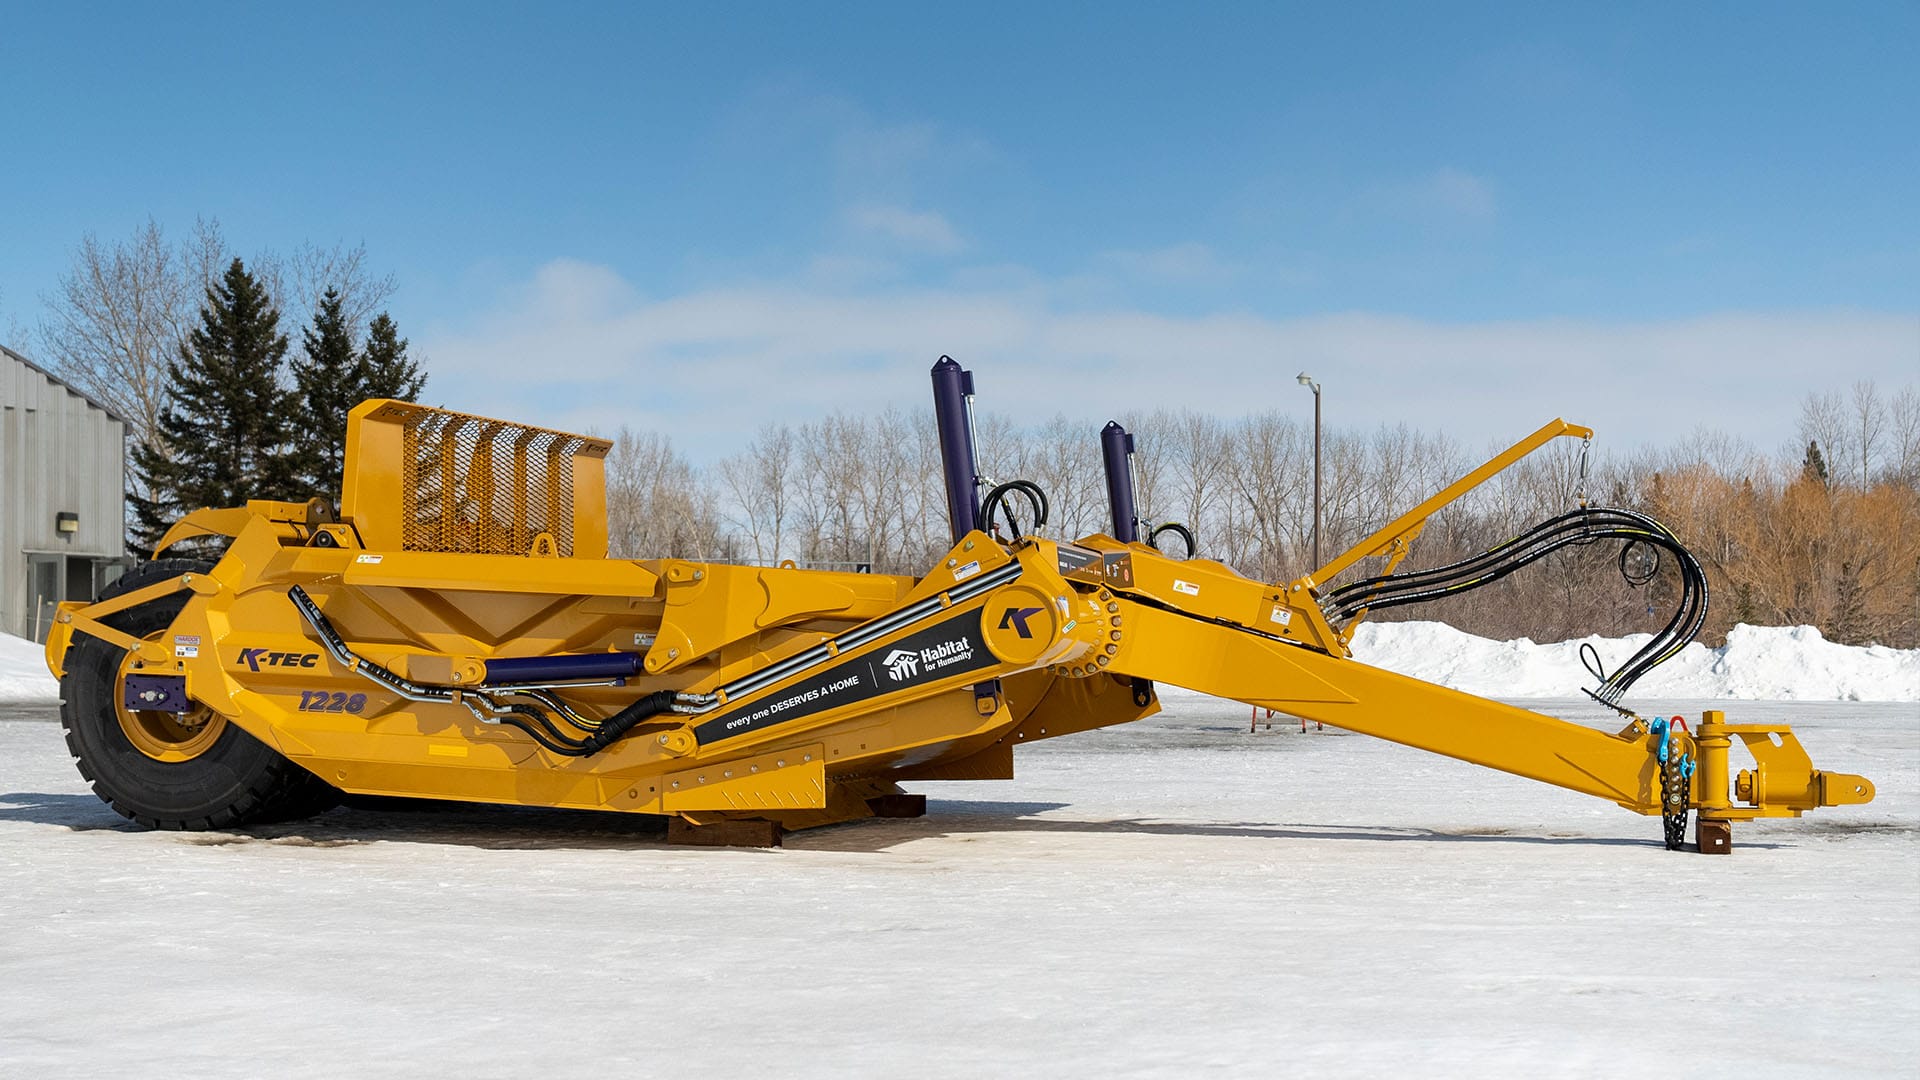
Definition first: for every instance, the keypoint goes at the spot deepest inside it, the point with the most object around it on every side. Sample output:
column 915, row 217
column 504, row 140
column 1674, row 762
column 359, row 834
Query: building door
column 45, row 578
column 52, row 578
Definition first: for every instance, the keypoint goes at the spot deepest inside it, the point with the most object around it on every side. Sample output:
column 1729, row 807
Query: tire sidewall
column 209, row 790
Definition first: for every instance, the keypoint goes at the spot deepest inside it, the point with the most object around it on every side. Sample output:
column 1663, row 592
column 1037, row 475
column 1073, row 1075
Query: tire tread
column 273, row 789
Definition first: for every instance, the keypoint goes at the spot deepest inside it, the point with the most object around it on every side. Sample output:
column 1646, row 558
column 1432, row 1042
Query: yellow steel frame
column 1064, row 650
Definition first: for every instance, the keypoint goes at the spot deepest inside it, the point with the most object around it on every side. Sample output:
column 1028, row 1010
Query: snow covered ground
column 1173, row 898
column 23, row 672
column 1765, row 663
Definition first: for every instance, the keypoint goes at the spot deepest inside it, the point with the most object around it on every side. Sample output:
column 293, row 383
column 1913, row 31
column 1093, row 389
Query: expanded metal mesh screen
column 486, row 486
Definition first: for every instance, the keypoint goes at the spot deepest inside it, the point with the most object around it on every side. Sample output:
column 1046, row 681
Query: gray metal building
column 62, row 500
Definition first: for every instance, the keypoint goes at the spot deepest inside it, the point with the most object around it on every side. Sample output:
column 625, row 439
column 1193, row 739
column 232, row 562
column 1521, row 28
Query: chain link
column 1580, row 486
column 1676, row 774
column 1673, row 800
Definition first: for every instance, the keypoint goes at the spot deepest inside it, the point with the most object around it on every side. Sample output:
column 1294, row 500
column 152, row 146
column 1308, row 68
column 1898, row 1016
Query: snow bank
column 1792, row 663
column 23, row 672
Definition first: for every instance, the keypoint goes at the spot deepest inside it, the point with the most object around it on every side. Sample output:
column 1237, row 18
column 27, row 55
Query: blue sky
column 697, row 218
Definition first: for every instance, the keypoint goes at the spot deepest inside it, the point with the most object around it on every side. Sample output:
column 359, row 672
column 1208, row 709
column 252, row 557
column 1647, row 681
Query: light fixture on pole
column 1307, row 381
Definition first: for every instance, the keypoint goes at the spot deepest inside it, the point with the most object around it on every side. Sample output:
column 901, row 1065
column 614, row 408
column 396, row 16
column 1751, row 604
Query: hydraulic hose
column 997, row 503
column 481, row 700
column 1582, row 526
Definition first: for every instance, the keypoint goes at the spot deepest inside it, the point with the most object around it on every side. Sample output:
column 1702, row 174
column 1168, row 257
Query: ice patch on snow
column 23, row 672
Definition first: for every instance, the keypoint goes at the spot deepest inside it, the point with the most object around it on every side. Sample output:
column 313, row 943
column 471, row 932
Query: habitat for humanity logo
column 904, row 664
column 901, row 664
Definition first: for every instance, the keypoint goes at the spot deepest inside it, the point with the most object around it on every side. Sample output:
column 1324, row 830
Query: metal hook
column 1580, row 488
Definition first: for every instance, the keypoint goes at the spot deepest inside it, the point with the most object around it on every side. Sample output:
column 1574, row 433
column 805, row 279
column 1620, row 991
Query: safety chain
column 1673, row 806
column 1580, row 485
column 1676, row 775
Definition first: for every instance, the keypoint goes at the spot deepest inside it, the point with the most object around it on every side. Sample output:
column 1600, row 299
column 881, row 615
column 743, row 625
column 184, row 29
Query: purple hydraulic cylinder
column 1116, row 452
column 953, row 412
column 536, row 669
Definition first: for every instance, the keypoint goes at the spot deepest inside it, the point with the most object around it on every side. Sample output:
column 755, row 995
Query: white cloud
column 1460, row 194
column 574, row 291
column 579, row 347
column 917, row 230
column 1184, row 263
column 1447, row 196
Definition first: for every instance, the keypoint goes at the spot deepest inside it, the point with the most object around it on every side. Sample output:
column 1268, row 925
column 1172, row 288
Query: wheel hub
column 167, row 736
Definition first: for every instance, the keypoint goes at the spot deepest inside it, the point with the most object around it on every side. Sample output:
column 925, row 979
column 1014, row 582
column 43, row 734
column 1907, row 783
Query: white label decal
column 967, row 571
column 186, row 639
column 1281, row 615
column 367, row 558
column 188, row 652
column 901, row 664
column 1187, row 587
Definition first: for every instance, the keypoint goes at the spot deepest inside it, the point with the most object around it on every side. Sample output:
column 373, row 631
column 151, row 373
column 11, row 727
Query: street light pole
column 1307, row 381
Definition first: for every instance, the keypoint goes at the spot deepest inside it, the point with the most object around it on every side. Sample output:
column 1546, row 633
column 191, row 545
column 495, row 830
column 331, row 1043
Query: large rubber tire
column 235, row 780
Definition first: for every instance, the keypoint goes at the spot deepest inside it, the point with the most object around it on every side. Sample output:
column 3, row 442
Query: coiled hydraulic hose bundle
column 1643, row 536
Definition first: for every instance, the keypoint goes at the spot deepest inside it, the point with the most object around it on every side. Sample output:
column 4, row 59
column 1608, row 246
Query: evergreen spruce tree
column 1814, row 465
column 327, row 378
column 223, row 435
column 1848, row 626
column 331, row 378
column 390, row 374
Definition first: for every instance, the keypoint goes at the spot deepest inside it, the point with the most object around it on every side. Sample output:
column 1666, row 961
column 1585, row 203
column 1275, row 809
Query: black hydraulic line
column 337, row 648
column 1176, row 529
column 534, row 733
column 1576, row 527
column 523, row 717
column 995, row 503
column 1483, row 572
column 1690, row 613
column 609, row 731
column 625, row 720
column 547, row 735
column 526, row 719
column 535, row 716
column 555, row 705
column 1642, row 575
column 1573, row 521
column 1481, row 569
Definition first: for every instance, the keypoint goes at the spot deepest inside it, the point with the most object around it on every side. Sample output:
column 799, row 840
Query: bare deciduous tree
column 119, row 314
column 1271, row 471
column 117, row 319
column 848, row 490
column 1869, row 428
column 1823, row 420
column 757, row 481
column 300, row 277
column 14, row 332
column 1198, row 451
column 1903, row 437
column 657, row 507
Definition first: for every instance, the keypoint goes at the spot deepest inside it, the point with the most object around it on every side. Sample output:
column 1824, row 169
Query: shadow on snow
column 487, row 827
